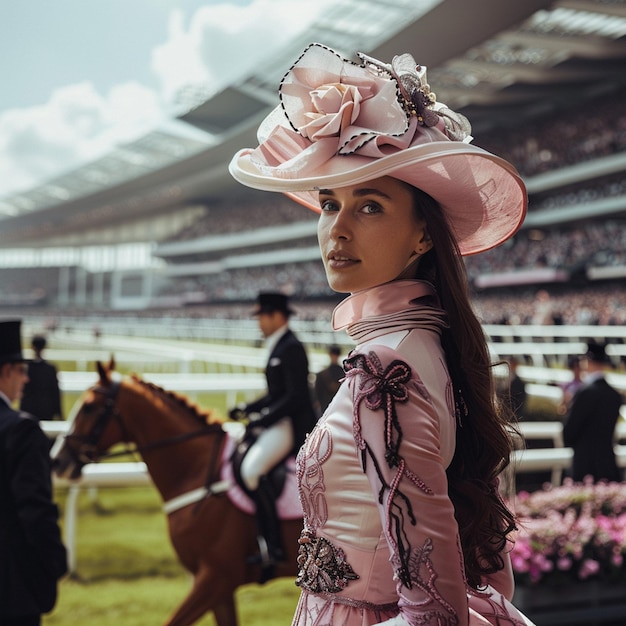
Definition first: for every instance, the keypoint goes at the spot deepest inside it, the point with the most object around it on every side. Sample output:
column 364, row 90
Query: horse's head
column 94, row 426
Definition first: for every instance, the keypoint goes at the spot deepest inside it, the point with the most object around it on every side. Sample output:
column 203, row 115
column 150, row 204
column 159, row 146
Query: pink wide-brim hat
column 340, row 123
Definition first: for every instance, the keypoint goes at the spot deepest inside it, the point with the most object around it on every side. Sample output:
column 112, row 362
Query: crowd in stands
column 298, row 280
column 603, row 304
column 582, row 193
column 238, row 216
column 594, row 129
column 597, row 244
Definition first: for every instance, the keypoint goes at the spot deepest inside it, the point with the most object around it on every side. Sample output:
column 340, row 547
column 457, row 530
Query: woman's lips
column 339, row 261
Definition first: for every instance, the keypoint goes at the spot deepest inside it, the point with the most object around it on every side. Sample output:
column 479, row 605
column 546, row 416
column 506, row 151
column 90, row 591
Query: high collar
column 380, row 300
column 395, row 306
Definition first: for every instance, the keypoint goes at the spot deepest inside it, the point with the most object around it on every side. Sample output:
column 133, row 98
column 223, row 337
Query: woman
column 399, row 480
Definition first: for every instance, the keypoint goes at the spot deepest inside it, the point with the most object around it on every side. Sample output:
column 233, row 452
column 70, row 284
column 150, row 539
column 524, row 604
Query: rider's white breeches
column 272, row 446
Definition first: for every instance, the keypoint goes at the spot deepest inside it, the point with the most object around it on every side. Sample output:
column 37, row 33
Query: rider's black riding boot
column 268, row 529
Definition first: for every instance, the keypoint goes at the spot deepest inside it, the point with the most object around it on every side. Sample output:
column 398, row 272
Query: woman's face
column 369, row 233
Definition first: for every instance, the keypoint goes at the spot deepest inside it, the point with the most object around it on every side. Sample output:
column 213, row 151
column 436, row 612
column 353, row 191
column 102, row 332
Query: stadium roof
column 496, row 61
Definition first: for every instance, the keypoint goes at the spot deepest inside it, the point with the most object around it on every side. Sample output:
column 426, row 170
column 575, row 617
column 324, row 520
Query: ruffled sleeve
column 397, row 433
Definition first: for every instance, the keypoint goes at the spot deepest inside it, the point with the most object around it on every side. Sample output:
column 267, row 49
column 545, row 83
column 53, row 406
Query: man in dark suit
column 589, row 426
column 517, row 391
column 328, row 380
column 41, row 396
column 280, row 419
column 32, row 555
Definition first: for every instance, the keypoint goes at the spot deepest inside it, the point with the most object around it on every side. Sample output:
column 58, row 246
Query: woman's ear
column 425, row 243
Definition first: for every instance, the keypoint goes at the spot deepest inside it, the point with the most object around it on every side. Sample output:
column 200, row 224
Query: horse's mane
column 178, row 400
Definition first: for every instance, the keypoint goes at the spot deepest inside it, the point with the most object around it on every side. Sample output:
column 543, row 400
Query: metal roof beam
column 455, row 26
column 589, row 46
column 615, row 9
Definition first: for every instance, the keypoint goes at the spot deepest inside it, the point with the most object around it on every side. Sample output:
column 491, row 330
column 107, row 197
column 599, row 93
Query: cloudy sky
column 80, row 76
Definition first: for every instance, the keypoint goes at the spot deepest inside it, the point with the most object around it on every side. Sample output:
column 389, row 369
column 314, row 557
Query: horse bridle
column 88, row 452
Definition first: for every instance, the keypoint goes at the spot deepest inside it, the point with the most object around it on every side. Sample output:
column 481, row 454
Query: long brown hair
column 483, row 443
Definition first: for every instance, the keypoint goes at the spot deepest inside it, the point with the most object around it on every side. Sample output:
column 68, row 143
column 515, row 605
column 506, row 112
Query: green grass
column 122, row 533
column 127, row 571
column 148, row 601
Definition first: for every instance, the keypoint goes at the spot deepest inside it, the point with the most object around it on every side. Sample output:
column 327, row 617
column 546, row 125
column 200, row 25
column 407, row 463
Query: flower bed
column 572, row 533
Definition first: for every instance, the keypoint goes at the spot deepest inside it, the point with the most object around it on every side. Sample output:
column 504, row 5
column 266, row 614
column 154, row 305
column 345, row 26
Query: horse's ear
column 102, row 372
column 112, row 364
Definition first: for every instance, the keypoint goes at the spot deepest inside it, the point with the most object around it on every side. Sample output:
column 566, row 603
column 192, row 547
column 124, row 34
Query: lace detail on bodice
column 310, row 474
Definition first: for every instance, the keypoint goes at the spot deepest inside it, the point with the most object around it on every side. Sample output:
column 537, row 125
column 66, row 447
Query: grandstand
column 158, row 224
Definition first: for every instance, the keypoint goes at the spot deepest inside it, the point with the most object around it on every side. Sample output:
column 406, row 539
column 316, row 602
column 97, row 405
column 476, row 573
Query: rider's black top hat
column 11, row 342
column 270, row 301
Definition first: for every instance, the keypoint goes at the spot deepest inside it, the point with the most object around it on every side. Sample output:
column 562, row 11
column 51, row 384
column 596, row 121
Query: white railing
column 231, row 385
column 542, row 345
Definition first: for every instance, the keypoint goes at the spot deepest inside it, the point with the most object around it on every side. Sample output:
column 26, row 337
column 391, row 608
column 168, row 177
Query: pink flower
column 578, row 530
column 564, row 564
column 520, row 564
column 588, row 568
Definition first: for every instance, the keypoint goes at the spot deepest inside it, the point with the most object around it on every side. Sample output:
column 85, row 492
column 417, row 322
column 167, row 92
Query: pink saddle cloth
column 287, row 505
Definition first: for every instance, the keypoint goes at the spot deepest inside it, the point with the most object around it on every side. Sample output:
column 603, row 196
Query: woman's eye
column 371, row 207
column 328, row 205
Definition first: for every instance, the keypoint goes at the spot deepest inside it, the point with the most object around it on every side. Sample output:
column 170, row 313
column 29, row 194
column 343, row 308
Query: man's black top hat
column 11, row 341
column 596, row 352
column 268, row 302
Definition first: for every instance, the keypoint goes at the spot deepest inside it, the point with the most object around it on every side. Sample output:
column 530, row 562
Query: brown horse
column 182, row 448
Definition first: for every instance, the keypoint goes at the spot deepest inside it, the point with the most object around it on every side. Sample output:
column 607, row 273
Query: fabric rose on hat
column 331, row 106
column 324, row 96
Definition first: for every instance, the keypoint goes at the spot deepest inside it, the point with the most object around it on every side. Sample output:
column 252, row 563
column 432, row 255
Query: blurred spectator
column 589, row 426
column 41, row 396
column 570, row 388
column 327, row 382
column 543, row 309
column 517, row 391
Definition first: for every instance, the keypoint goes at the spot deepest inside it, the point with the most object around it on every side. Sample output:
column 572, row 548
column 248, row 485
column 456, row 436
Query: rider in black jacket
column 279, row 421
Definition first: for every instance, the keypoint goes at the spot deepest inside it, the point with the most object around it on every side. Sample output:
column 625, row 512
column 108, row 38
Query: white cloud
column 224, row 41
column 77, row 124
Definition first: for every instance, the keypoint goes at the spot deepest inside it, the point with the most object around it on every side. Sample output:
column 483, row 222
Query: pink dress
column 380, row 537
